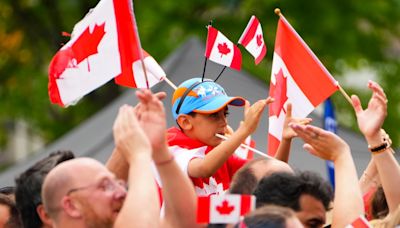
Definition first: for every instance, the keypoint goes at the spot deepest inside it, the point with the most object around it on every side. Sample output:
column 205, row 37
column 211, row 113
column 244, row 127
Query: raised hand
column 371, row 119
column 321, row 143
column 152, row 118
column 253, row 114
column 288, row 132
column 129, row 137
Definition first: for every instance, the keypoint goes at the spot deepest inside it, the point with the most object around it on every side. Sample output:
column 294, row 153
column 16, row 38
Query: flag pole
column 245, row 146
column 345, row 95
column 222, row 71
column 140, row 49
column 278, row 11
column 170, row 83
column 205, row 58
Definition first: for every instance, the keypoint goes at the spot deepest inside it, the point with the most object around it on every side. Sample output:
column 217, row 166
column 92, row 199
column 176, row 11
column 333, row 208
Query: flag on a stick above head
column 96, row 53
column 297, row 77
column 253, row 39
column 224, row 209
column 221, row 50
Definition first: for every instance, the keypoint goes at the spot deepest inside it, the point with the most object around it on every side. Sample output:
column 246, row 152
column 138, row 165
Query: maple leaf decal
column 225, row 208
column 278, row 92
column 223, row 49
column 87, row 43
column 259, row 39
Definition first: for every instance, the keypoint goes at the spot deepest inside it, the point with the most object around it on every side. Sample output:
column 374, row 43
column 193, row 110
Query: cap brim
column 219, row 103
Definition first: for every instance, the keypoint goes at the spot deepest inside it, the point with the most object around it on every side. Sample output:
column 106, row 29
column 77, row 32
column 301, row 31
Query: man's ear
column 71, row 207
column 184, row 121
column 43, row 216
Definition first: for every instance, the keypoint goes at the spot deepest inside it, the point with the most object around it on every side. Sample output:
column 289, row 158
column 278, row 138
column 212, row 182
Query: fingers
column 246, row 107
column 356, row 103
column 270, row 100
column 161, row 95
column 289, row 110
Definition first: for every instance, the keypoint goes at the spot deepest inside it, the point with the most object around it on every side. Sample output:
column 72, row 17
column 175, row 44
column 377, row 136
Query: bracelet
column 387, row 143
column 170, row 159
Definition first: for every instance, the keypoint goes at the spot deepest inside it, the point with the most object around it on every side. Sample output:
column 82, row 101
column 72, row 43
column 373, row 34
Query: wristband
column 387, row 143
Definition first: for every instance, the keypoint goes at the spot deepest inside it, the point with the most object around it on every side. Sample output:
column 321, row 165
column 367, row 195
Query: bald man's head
column 83, row 191
column 64, row 177
column 246, row 178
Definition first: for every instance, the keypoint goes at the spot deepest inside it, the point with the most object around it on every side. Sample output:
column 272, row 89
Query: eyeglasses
column 105, row 185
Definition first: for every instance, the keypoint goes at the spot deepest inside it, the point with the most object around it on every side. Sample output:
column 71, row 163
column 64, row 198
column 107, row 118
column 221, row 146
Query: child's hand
column 321, row 143
column 288, row 132
column 253, row 114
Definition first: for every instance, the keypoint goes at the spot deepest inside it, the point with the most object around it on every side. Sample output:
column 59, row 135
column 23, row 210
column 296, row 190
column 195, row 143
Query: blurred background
column 355, row 40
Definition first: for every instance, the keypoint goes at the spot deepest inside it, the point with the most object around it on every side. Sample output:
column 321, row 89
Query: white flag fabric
column 221, row 50
column 97, row 52
column 253, row 39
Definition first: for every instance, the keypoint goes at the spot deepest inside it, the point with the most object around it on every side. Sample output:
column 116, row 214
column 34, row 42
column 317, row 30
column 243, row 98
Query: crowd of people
column 154, row 175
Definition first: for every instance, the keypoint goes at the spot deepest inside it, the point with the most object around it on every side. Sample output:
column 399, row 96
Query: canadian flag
column 245, row 153
column 253, row 40
column 96, row 53
column 297, row 77
column 360, row 222
column 221, row 50
column 224, row 209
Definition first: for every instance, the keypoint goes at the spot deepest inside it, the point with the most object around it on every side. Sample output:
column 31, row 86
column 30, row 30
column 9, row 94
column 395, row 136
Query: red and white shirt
column 185, row 149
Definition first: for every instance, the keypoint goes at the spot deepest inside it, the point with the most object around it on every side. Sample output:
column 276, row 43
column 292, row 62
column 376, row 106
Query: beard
column 94, row 220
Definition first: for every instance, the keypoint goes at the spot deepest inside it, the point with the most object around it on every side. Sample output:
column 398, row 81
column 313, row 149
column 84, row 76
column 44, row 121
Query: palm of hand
column 371, row 120
column 154, row 125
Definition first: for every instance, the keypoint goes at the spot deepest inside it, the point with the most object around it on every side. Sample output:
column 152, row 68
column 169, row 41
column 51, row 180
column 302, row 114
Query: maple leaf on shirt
column 259, row 39
column 225, row 208
column 223, row 49
column 278, row 92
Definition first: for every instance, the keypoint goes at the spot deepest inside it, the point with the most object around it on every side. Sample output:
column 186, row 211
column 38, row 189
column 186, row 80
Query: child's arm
column 288, row 134
column 199, row 167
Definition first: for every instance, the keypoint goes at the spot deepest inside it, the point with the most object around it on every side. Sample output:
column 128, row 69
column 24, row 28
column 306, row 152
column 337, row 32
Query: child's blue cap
column 205, row 97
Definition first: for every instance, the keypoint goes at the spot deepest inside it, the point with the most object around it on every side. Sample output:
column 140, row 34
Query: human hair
column 244, row 181
column 285, row 189
column 29, row 187
column 379, row 208
column 269, row 216
column 7, row 190
column 14, row 220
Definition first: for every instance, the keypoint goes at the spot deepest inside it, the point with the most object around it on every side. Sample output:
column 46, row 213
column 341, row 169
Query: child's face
column 205, row 126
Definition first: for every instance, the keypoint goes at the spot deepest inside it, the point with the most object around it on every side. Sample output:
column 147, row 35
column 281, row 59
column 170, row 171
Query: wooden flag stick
column 245, row 146
column 136, row 31
column 170, row 83
column 278, row 11
column 345, row 95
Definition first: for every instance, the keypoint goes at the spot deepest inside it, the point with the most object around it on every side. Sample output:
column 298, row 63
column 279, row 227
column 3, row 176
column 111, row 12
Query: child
column 200, row 110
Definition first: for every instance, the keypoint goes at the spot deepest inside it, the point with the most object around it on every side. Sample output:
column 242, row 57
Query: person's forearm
column 388, row 170
column 178, row 193
column 142, row 191
column 348, row 204
column 389, row 173
column 369, row 179
column 283, row 151
column 118, row 165
column 218, row 156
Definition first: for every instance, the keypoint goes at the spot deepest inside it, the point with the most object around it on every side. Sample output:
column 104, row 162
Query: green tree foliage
column 347, row 31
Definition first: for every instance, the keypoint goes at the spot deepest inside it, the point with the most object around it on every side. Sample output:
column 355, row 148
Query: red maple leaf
column 225, row 208
column 259, row 39
column 278, row 92
column 87, row 43
column 223, row 49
